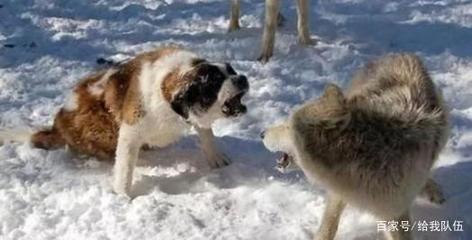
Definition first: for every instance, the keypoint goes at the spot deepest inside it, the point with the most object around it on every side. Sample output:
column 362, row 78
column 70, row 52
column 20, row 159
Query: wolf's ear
column 334, row 104
column 338, row 122
column 333, row 94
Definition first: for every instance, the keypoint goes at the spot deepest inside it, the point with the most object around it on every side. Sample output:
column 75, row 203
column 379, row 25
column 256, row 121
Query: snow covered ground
column 46, row 46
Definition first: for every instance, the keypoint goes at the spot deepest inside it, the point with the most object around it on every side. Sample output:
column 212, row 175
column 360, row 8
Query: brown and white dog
column 271, row 22
column 152, row 99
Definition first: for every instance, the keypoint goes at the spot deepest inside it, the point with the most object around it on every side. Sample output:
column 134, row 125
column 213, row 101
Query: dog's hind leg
column 433, row 192
column 234, row 15
column 330, row 220
column 270, row 26
column 303, row 12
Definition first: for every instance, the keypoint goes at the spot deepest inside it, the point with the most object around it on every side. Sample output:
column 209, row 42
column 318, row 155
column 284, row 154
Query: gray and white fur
column 373, row 147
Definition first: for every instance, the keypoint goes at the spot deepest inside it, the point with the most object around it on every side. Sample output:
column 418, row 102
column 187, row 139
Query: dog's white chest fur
column 164, row 129
column 161, row 126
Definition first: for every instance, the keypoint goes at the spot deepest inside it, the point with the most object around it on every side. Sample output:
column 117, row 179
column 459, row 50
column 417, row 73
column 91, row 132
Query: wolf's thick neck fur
column 377, row 143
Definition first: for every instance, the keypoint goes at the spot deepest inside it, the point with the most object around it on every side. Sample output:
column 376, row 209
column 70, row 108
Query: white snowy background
column 55, row 195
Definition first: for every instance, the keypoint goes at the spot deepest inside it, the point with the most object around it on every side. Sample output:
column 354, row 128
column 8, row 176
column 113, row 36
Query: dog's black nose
column 240, row 82
column 262, row 134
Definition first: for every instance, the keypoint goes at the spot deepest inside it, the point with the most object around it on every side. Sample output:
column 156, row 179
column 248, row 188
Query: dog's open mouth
column 233, row 106
column 284, row 162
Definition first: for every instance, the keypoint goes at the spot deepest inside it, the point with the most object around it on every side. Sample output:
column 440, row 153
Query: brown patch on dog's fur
column 173, row 82
column 122, row 93
column 92, row 128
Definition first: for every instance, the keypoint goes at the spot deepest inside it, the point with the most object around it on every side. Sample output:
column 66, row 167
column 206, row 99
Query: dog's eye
column 219, row 76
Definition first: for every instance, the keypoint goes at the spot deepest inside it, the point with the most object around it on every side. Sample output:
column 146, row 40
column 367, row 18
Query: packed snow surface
column 47, row 46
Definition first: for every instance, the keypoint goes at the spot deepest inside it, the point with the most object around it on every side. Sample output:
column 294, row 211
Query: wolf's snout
column 240, row 82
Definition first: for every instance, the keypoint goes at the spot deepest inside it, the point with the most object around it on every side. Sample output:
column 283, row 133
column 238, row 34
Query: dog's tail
column 16, row 135
column 45, row 139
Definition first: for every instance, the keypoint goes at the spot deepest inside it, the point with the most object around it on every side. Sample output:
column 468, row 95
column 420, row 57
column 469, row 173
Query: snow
column 55, row 195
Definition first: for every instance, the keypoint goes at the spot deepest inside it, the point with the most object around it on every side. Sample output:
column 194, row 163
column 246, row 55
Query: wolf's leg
column 330, row 220
column 280, row 20
column 433, row 192
column 303, row 12
column 216, row 159
column 401, row 234
column 234, row 16
column 127, row 153
column 270, row 26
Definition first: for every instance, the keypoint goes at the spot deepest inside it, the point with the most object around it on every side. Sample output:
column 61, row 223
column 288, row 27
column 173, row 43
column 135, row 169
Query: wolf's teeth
column 280, row 169
column 283, row 162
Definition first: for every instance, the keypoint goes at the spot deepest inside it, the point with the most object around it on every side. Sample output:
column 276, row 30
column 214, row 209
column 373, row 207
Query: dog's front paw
column 218, row 160
column 121, row 188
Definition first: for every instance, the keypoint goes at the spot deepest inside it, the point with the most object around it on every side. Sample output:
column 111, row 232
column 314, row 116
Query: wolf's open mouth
column 283, row 162
column 233, row 106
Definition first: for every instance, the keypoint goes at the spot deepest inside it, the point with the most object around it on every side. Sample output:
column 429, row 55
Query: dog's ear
column 198, row 61
column 182, row 102
column 336, row 113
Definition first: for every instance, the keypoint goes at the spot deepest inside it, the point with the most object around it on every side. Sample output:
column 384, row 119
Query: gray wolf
column 151, row 100
column 372, row 147
column 270, row 24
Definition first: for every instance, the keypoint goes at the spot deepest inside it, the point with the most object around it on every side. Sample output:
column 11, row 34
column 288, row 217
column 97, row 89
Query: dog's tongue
column 283, row 162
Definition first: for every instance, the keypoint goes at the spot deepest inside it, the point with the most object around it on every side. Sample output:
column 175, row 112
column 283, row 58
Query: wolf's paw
column 433, row 192
column 436, row 197
column 264, row 57
column 307, row 41
column 233, row 26
column 218, row 160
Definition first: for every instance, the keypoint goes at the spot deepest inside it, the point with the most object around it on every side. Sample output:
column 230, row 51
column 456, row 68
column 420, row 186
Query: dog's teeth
column 225, row 108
